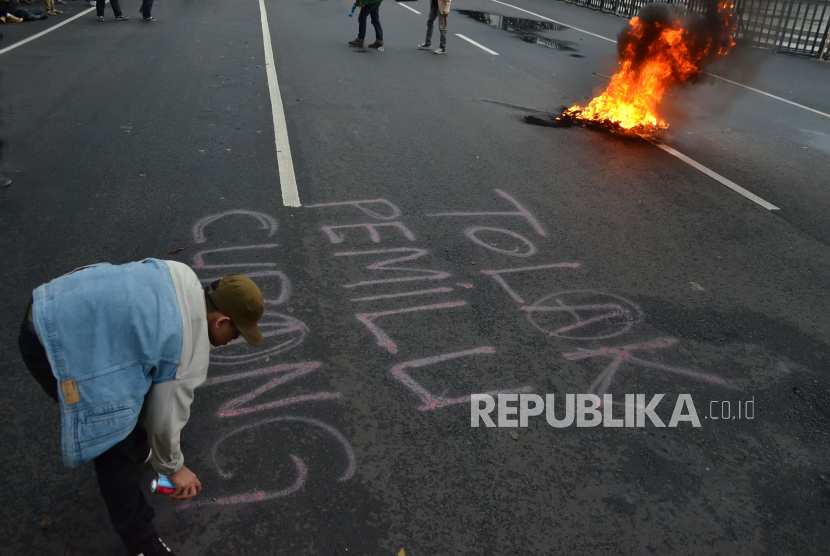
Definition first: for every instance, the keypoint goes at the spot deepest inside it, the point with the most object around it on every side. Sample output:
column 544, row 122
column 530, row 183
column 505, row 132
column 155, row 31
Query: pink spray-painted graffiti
column 625, row 354
column 371, row 228
column 433, row 401
column 281, row 333
column 497, row 276
column 425, row 274
column 266, row 222
column 383, row 338
column 474, row 233
column 574, row 315
column 234, row 407
column 402, row 294
column 482, row 235
column 608, row 315
column 522, row 212
column 302, row 471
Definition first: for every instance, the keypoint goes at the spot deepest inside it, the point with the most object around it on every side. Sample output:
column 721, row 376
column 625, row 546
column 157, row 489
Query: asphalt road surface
column 549, row 261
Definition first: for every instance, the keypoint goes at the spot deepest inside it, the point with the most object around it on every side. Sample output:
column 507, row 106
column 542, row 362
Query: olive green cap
column 239, row 299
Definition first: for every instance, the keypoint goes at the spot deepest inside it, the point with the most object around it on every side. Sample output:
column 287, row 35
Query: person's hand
column 447, row 14
column 186, row 482
column 362, row 6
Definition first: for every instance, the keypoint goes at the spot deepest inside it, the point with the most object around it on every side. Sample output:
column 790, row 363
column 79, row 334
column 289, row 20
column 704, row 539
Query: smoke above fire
column 661, row 48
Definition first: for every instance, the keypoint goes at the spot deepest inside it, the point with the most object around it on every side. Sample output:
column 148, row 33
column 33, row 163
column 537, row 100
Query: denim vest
column 114, row 331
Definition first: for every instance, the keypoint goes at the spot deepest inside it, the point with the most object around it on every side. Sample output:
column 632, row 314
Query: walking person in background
column 146, row 10
column 438, row 9
column 116, row 9
column 368, row 8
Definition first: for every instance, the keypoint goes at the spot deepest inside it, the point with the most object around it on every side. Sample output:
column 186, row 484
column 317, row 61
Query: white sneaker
column 425, row 46
column 441, row 50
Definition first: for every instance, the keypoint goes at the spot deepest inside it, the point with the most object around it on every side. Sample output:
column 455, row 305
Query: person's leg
column 361, row 22
column 442, row 28
column 116, row 8
column 99, row 7
column 147, row 8
column 433, row 13
column 119, row 472
column 34, row 356
column 374, row 12
column 25, row 15
column 118, row 469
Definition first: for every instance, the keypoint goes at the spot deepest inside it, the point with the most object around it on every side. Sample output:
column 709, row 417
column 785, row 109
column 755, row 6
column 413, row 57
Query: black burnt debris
column 566, row 119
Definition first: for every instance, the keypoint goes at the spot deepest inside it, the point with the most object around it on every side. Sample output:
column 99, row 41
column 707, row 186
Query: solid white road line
column 712, row 74
column 288, row 182
column 481, row 46
column 714, row 175
column 694, row 164
column 410, row 9
column 49, row 30
column 825, row 114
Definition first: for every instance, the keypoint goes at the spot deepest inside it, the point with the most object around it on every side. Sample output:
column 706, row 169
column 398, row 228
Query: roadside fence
column 798, row 27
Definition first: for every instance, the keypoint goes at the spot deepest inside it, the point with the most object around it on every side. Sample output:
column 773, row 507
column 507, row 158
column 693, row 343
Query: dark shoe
column 149, row 19
column 425, row 46
column 356, row 42
column 441, row 50
column 122, row 18
column 376, row 44
column 152, row 546
column 4, row 182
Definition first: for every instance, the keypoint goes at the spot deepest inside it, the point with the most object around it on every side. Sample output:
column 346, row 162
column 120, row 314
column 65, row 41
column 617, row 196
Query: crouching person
column 122, row 349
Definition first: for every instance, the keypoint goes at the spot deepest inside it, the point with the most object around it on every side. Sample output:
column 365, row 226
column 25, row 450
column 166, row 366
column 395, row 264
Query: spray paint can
column 351, row 13
column 162, row 485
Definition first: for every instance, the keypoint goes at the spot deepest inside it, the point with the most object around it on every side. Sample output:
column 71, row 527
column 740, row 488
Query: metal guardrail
column 799, row 27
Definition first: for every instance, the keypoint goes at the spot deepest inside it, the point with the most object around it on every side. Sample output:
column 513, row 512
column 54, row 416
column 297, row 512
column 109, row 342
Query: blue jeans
column 370, row 10
column 118, row 469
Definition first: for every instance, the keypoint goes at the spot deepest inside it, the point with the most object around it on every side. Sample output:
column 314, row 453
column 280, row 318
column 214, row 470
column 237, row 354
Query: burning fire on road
column 661, row 48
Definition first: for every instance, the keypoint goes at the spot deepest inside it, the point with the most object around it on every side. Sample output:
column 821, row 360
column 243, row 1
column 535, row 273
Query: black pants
column 146, row 8
column 118, row 469
column 27, row 15
column 100, row 4
column 371, row 10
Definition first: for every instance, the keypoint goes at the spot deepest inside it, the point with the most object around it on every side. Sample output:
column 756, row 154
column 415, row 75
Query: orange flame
column 655, row 56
